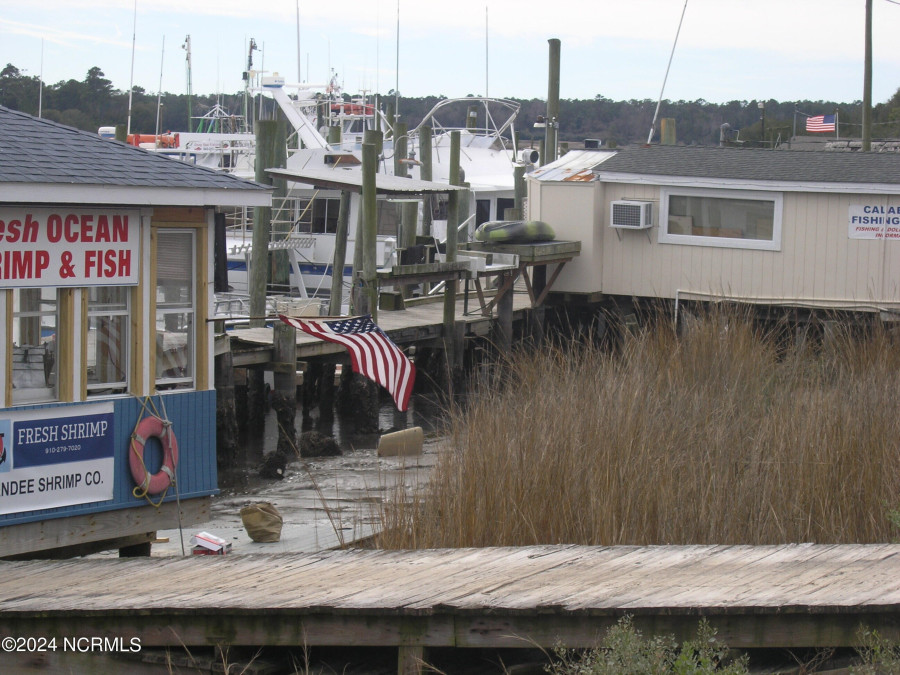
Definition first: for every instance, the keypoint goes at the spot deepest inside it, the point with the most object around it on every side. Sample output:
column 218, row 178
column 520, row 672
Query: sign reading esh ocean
column 68, row 247
column 53, row 457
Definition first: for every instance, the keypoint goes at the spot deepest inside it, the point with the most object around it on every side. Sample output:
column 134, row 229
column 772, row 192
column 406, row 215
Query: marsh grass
column 722, row 432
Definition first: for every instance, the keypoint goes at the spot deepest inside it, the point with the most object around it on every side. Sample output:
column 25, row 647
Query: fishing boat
column 487, row 160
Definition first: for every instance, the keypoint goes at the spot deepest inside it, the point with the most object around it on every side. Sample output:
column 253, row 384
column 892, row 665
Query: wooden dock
column 415, row 324
column 789, row 596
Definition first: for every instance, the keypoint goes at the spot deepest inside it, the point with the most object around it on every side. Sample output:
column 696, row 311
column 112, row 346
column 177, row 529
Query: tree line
column 93, row 102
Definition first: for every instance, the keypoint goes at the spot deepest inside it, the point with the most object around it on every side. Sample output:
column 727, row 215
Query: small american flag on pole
column 372, row 354
column 820, row 123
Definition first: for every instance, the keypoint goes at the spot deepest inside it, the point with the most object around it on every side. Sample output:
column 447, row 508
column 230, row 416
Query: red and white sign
column 68, row 247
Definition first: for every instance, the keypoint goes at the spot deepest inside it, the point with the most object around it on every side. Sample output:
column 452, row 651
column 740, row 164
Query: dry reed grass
column 720, row 434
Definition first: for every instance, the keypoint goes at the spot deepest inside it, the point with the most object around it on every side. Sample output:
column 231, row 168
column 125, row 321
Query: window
column 729, row 218
column 35, row 364
column 108, row 352
column 175, row 343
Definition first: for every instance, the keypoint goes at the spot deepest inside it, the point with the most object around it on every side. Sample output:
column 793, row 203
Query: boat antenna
column 486, row 94
column 131, row 83
column 656, row 114
column 41, row 81
column 190, row 87
column 299, row 57
column 159, row 91
column 397, row 71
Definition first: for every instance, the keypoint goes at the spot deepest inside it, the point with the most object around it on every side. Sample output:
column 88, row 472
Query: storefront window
column 175, row 310
column 34, row 359
column 108, row 344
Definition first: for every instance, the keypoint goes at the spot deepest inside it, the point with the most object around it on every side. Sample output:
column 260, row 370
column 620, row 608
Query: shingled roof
column 42, row 161
column 771, row 169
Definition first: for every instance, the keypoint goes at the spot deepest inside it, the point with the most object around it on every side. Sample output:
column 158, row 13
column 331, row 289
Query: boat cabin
column 107, row 400
column 804, row 229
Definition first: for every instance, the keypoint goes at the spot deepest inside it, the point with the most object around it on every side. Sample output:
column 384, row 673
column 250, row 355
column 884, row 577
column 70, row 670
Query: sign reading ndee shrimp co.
column 68, row 247
column 52, row 457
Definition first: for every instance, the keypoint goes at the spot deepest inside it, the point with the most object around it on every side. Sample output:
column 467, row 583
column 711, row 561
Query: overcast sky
column 727, row 49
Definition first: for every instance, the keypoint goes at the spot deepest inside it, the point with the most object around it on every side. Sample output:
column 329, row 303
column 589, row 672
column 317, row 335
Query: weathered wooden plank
column 787, row 596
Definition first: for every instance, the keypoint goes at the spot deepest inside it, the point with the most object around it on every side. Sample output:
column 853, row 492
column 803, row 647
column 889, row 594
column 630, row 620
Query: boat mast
column 247, row 76
column 299, row 58
column 187, row 60
column 131, row 83
column 162, row 59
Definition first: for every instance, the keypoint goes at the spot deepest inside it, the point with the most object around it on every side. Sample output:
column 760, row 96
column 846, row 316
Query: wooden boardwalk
column 416, row 323
column 756, row 596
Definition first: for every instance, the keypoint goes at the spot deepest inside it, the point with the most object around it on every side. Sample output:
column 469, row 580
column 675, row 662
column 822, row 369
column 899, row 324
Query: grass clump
column 625, row 651
column 723, row 432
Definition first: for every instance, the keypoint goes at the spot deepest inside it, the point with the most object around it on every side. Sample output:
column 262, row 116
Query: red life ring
column 153, row 427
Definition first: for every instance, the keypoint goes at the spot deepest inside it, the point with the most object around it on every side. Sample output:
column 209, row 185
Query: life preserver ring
column 153, row 427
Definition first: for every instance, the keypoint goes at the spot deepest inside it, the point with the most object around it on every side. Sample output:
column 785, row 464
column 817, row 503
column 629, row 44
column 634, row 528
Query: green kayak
column 514, row 231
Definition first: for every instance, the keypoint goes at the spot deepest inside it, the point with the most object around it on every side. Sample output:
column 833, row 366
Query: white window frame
column 37, row 395
column 773, row 244
column 188, row 382
column 98, row 389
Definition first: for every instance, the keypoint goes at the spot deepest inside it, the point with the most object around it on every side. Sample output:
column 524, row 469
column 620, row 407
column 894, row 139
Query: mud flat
column 325, row 503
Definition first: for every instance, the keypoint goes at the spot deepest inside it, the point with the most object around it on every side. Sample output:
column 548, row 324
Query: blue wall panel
column 193, row 417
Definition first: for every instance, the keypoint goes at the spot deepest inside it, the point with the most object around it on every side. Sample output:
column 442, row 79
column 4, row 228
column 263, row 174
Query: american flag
column 372, row 354
column 820, row 123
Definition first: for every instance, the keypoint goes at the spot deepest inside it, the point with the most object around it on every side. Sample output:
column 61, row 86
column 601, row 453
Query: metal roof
column 42, row 161
column 351, row 179
column 758, row 166
column 574, row 166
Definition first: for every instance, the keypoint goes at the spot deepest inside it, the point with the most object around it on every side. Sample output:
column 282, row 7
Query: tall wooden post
column 452, row 225
column 340, row 255
column 369, row 295
column 552, row 104
column 284, row 398
column 266, row 134
column 425, row 173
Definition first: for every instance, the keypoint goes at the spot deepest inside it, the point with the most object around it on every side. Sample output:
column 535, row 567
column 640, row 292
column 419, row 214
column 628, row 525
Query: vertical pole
column 262, row 224
column 284, row 397
column 259, row 271
column 368, row 297
column 867, row 83
column 425, row 173
column 552, row 103
column 452, row 225
column 340, row 255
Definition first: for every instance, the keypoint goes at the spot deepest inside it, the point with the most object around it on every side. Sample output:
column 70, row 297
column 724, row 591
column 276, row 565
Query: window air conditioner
column 629, row 215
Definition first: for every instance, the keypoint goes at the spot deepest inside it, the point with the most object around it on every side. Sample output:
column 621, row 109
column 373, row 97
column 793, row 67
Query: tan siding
column 818, row 262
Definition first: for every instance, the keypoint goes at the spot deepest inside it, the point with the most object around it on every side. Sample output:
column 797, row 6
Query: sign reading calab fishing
column 68, row 247
column 53, row 457
column 874, row 221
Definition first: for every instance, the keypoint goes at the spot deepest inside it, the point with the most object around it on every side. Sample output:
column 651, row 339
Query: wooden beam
column 106, row 526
